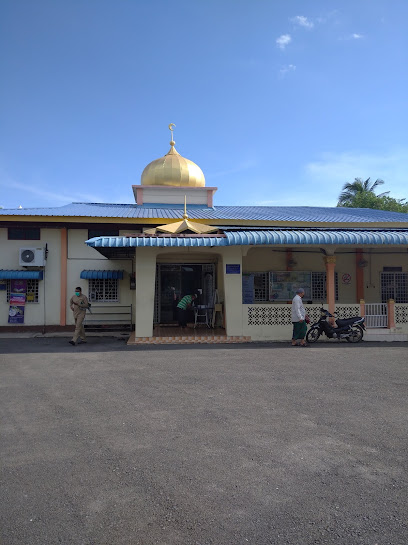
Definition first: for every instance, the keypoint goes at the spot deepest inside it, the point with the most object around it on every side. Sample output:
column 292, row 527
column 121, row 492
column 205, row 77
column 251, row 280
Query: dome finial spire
column 172, row 142
column 185, row 216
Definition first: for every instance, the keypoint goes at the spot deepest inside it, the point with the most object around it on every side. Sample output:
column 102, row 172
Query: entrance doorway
column 174, row 281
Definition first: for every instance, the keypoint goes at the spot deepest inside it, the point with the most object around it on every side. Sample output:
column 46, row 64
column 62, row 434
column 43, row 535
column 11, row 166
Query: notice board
column 283, row 285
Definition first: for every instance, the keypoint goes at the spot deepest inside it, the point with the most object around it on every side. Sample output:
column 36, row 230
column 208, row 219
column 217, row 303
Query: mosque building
column 135, row 261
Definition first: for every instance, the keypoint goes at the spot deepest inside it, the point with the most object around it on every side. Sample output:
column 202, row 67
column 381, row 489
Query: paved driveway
column 106, row 444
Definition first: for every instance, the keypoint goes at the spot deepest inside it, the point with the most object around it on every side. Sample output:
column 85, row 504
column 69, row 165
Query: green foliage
column 361, row 194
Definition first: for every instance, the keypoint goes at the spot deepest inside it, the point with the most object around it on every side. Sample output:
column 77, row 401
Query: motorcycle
column 351, row 329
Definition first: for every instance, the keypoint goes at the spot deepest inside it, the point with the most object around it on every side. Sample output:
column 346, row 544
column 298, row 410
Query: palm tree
column 358, row 187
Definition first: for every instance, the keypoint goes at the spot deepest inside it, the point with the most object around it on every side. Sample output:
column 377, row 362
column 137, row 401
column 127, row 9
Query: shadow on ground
column 115, row 344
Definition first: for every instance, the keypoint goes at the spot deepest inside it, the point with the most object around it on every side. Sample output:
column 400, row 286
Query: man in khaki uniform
column 79, row 303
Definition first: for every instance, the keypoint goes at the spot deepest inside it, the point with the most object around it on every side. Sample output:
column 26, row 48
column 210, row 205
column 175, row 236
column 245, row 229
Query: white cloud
column 51, row 198
column 286, row 69
column 353, row 36
column 283, row 41
column 333, row 170
column 302, row 21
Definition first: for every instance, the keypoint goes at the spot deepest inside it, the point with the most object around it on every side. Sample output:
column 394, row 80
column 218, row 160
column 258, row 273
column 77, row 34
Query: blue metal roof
column 259, row 238
column 157, row 242
column 102, row 275
column 317, row 236
column 21, row 275
column 236, row 213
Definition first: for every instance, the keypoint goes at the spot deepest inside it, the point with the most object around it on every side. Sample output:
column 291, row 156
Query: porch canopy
column 109, row 246
column 21, row 275
column 102, row 275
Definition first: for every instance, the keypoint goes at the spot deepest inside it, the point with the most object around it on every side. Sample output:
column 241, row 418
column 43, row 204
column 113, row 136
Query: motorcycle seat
column 347, row 321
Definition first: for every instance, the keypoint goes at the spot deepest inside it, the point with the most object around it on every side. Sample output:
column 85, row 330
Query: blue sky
column 280, row 102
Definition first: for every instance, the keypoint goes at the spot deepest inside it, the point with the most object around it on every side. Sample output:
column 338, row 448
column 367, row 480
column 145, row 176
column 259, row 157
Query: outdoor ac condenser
column 31, row 257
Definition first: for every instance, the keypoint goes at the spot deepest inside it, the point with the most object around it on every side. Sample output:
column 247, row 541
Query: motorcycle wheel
column 356, row 334
column 312, row 335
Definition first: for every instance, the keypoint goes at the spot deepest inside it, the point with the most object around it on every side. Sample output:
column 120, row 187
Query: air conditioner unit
column 31, row 257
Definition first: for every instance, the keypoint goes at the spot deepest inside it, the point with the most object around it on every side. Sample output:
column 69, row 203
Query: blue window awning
column 102, row 275
column 21, row 275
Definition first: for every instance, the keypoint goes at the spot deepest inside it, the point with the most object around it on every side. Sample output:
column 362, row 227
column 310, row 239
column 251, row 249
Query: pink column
column 362, row 307
column 391, row 313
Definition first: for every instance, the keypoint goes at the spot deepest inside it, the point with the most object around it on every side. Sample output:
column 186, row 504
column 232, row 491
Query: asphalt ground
column 104, row 444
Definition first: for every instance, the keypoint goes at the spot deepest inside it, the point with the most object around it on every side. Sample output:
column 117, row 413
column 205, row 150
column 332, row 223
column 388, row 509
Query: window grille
column 261, row 286
column 394, row 285
column 32, row 291
column 318, row 286
column 319, row 291
column 104, row 290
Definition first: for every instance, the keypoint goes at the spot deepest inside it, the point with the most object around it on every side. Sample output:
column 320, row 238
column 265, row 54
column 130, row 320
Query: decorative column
column 145, row 274
column 330, row 262
column 359, row 275
column 362, row 307
column 391, row 313
column 289, row 259
column 63, row 281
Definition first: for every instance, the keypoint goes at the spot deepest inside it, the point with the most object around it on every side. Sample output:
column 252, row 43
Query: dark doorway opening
column 173, row 281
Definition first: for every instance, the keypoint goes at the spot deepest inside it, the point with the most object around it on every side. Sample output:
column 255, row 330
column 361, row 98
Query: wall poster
column 18, row 291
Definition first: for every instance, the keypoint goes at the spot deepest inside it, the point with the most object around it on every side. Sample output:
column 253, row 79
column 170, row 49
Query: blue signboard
column 232, row 268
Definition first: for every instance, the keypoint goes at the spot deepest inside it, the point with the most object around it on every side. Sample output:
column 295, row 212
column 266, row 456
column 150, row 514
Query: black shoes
column 72, row 342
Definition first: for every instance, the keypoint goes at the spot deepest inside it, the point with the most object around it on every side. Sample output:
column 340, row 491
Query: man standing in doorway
column 79, row 303
column 298, row 319
column 182, row 307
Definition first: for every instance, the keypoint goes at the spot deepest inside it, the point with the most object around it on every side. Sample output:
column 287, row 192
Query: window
column 394, row 285
column 92, row 233
column 278, row 286
column 24, row 233
column 261, row 287
column 103, row 291
column 32, row 291
column 319, row 292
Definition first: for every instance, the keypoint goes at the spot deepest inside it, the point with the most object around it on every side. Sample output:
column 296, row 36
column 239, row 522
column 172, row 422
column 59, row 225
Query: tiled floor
column 188, row 335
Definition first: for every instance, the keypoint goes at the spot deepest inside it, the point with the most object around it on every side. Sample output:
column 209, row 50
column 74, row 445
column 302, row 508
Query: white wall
column 174, row 195
column 9, row 259
column 82, row 257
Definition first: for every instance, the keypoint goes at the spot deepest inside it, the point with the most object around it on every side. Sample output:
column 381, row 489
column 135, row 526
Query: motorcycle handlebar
column 326, row 313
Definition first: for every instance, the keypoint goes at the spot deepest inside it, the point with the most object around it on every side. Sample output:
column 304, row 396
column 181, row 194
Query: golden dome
column 173, row 170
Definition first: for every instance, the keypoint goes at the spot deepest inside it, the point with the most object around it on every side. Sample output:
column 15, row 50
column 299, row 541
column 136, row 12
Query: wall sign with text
column 231, row 268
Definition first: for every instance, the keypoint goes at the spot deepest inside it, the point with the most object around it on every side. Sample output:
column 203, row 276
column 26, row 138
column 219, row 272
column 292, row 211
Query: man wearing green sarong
column 298, row 319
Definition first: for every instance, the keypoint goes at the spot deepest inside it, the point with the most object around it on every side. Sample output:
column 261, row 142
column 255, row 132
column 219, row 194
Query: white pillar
column 145, row 269
column 232, row 290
